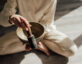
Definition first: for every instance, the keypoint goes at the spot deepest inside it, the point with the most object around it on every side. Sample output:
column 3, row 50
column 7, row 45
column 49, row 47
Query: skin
column 24, row 24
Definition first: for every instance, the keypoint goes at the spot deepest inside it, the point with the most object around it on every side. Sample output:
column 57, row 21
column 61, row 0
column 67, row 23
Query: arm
column 48, row 16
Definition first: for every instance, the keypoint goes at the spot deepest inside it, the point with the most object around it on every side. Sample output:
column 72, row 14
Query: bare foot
column 43, row 48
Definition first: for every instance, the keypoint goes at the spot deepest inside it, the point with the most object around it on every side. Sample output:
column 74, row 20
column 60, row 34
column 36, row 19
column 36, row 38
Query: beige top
column 41, row 11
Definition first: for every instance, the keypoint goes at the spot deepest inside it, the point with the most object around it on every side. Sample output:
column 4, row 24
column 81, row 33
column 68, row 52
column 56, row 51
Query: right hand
column 19, row 21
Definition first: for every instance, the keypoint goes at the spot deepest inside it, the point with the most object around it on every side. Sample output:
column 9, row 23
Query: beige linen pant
column 55, row 41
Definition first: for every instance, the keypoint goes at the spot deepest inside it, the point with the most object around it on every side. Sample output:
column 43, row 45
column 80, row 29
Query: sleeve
column 9, row 9
column 49, row 14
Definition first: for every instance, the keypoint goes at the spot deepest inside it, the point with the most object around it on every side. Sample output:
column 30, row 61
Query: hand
column 19, row 21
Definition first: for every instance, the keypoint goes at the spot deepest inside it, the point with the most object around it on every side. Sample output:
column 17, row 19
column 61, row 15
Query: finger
column 23, row 26
column 17, row 18
column 25, row 22
column 17, row 22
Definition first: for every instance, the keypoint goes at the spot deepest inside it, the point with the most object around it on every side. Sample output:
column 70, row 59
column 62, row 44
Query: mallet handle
column 31, row 38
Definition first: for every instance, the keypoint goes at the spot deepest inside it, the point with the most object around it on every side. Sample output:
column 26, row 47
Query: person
column 36, row 11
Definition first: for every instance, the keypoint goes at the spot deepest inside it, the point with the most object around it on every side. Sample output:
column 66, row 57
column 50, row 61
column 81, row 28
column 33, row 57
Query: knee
column 61, row 44
column 70, row 52
column 68, row 46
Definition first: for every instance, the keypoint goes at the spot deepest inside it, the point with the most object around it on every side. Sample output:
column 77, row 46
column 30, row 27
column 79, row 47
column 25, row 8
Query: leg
column 10, row 43
column 60, row 43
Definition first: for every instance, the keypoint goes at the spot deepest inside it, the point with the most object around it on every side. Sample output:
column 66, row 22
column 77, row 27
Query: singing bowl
column 37, row 31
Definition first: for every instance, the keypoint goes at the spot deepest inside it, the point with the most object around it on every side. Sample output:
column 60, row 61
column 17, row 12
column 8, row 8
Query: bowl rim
column 23, row 37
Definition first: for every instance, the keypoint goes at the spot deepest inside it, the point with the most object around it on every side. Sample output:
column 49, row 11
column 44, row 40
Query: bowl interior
column 37, row 29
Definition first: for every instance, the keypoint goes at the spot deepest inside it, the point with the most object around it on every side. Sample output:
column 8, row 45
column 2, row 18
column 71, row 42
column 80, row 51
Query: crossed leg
column 10, row 43
column 60, row 43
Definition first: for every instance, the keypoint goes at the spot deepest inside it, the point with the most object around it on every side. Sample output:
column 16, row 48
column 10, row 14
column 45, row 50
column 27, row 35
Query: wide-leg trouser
column 55, row 41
